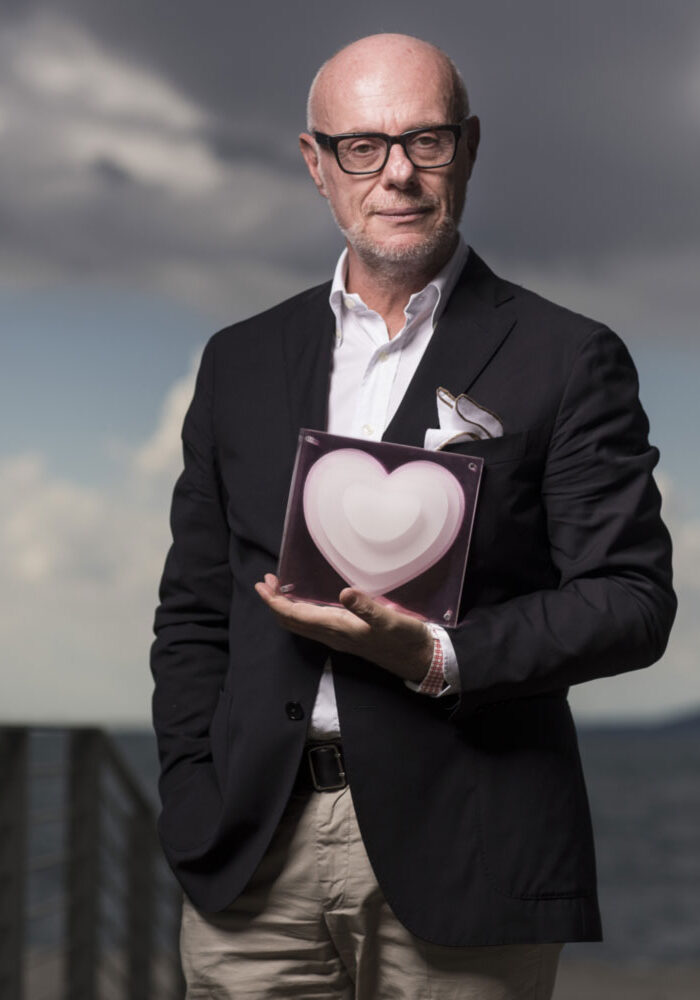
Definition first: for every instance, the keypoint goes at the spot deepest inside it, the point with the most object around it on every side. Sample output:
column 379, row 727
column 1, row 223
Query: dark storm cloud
column 590, row 120
column 591, row 129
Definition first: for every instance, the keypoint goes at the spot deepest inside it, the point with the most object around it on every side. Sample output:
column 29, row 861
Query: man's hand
column 395, row 641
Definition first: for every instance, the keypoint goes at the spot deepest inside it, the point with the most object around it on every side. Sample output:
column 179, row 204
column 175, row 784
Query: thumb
column 360, row 604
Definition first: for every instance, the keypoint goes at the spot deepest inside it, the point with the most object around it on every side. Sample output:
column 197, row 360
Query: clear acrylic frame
column 392, row 520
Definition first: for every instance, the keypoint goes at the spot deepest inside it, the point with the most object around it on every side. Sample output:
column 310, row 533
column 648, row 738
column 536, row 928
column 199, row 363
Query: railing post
column 83, row 867
column 141, row 910
column 13, row 850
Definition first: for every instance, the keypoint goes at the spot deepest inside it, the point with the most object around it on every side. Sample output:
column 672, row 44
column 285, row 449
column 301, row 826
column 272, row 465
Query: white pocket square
column 461, row 419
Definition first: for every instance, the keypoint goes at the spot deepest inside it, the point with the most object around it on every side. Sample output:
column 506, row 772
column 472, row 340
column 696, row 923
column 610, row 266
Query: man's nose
column 398, row 170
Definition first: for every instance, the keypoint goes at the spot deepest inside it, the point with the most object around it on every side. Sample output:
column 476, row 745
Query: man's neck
column 387, row 291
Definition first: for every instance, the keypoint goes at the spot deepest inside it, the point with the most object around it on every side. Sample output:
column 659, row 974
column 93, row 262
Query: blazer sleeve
column 189, row 657
column 614, row 606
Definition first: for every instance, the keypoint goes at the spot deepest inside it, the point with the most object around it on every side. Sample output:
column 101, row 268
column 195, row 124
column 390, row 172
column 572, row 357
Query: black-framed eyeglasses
column 367, row 152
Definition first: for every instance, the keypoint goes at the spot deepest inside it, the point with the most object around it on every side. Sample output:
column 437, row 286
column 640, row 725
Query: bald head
column 400, row 218
column 370, row 64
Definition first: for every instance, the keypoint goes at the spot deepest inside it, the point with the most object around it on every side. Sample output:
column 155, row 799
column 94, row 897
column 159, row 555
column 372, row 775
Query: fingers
column 311, row 620
column 363, row 626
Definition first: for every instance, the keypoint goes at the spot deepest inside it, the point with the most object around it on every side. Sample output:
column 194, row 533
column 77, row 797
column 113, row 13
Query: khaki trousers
column 313, row 922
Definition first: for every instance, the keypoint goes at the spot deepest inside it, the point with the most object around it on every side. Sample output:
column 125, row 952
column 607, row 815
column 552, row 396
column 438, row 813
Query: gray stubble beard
column 392, row 264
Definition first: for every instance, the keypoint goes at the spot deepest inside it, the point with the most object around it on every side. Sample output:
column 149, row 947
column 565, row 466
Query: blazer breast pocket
column 509, row 504
column 508, row 448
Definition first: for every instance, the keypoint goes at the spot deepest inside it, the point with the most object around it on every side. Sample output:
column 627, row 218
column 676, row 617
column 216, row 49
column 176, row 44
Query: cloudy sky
column 151, row 192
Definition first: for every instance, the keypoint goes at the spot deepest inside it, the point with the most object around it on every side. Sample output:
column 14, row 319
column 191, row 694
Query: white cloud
column 159, row 455
column 42, row 537
column 181, row 164
column 106, row 109
column 57, row 60
column 81, row 567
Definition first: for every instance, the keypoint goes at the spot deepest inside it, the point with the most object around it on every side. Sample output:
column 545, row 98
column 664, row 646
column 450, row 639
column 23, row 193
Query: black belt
column 322, row 768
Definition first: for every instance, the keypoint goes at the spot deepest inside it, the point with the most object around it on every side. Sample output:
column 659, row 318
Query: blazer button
column 294, row 710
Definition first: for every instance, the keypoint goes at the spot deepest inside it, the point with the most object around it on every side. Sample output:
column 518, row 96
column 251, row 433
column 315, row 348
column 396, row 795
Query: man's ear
column 309, row 150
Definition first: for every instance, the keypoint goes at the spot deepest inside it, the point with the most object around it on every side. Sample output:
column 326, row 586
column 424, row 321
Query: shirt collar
column 443, row 284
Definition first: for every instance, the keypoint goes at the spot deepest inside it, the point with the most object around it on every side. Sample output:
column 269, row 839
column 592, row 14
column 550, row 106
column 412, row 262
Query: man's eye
column 426, row 140
column 363, row 148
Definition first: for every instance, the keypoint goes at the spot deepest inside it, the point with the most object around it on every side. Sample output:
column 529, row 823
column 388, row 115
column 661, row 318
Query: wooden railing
column 88, row 908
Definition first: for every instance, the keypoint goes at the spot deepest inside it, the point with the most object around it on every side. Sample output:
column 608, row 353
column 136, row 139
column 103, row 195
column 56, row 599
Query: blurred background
column 152, row 192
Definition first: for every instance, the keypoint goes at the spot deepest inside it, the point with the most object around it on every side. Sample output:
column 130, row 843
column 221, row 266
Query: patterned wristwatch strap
column 434, row 680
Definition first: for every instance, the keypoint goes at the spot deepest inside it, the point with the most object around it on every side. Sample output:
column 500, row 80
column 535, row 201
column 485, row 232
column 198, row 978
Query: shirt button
column 383, row 356
column 368, row 430
column 338, row 334
column 349, row 303
column 294, row 710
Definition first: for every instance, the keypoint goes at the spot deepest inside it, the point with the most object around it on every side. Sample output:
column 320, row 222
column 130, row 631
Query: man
column 357, row 804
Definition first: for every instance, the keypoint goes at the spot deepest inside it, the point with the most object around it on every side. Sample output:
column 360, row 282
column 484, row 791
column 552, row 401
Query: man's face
column 402, row 213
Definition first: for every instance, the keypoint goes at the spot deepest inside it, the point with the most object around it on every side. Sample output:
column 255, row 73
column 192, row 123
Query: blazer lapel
column 307, row 353
column 473, row 325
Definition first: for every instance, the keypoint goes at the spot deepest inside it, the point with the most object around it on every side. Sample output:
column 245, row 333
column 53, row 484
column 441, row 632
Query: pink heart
column 379, row 530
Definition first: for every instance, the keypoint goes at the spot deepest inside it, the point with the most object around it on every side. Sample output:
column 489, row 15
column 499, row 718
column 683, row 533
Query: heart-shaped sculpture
column 377, row 529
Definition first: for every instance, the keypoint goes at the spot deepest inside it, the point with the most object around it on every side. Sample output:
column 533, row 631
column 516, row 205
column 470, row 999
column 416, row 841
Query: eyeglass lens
column 431, row 148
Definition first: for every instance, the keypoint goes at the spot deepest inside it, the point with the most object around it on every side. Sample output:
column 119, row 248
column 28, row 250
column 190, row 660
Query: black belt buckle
column 335, row 750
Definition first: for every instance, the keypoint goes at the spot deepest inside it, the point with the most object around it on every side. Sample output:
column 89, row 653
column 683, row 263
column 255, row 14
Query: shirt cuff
column 449, row 661
column 438, row 681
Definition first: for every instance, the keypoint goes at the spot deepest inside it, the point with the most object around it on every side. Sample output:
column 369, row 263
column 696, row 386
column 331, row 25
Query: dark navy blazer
column 473, row 813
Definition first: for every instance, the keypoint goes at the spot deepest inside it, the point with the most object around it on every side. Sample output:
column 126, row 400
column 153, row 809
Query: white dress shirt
column 369, row 376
